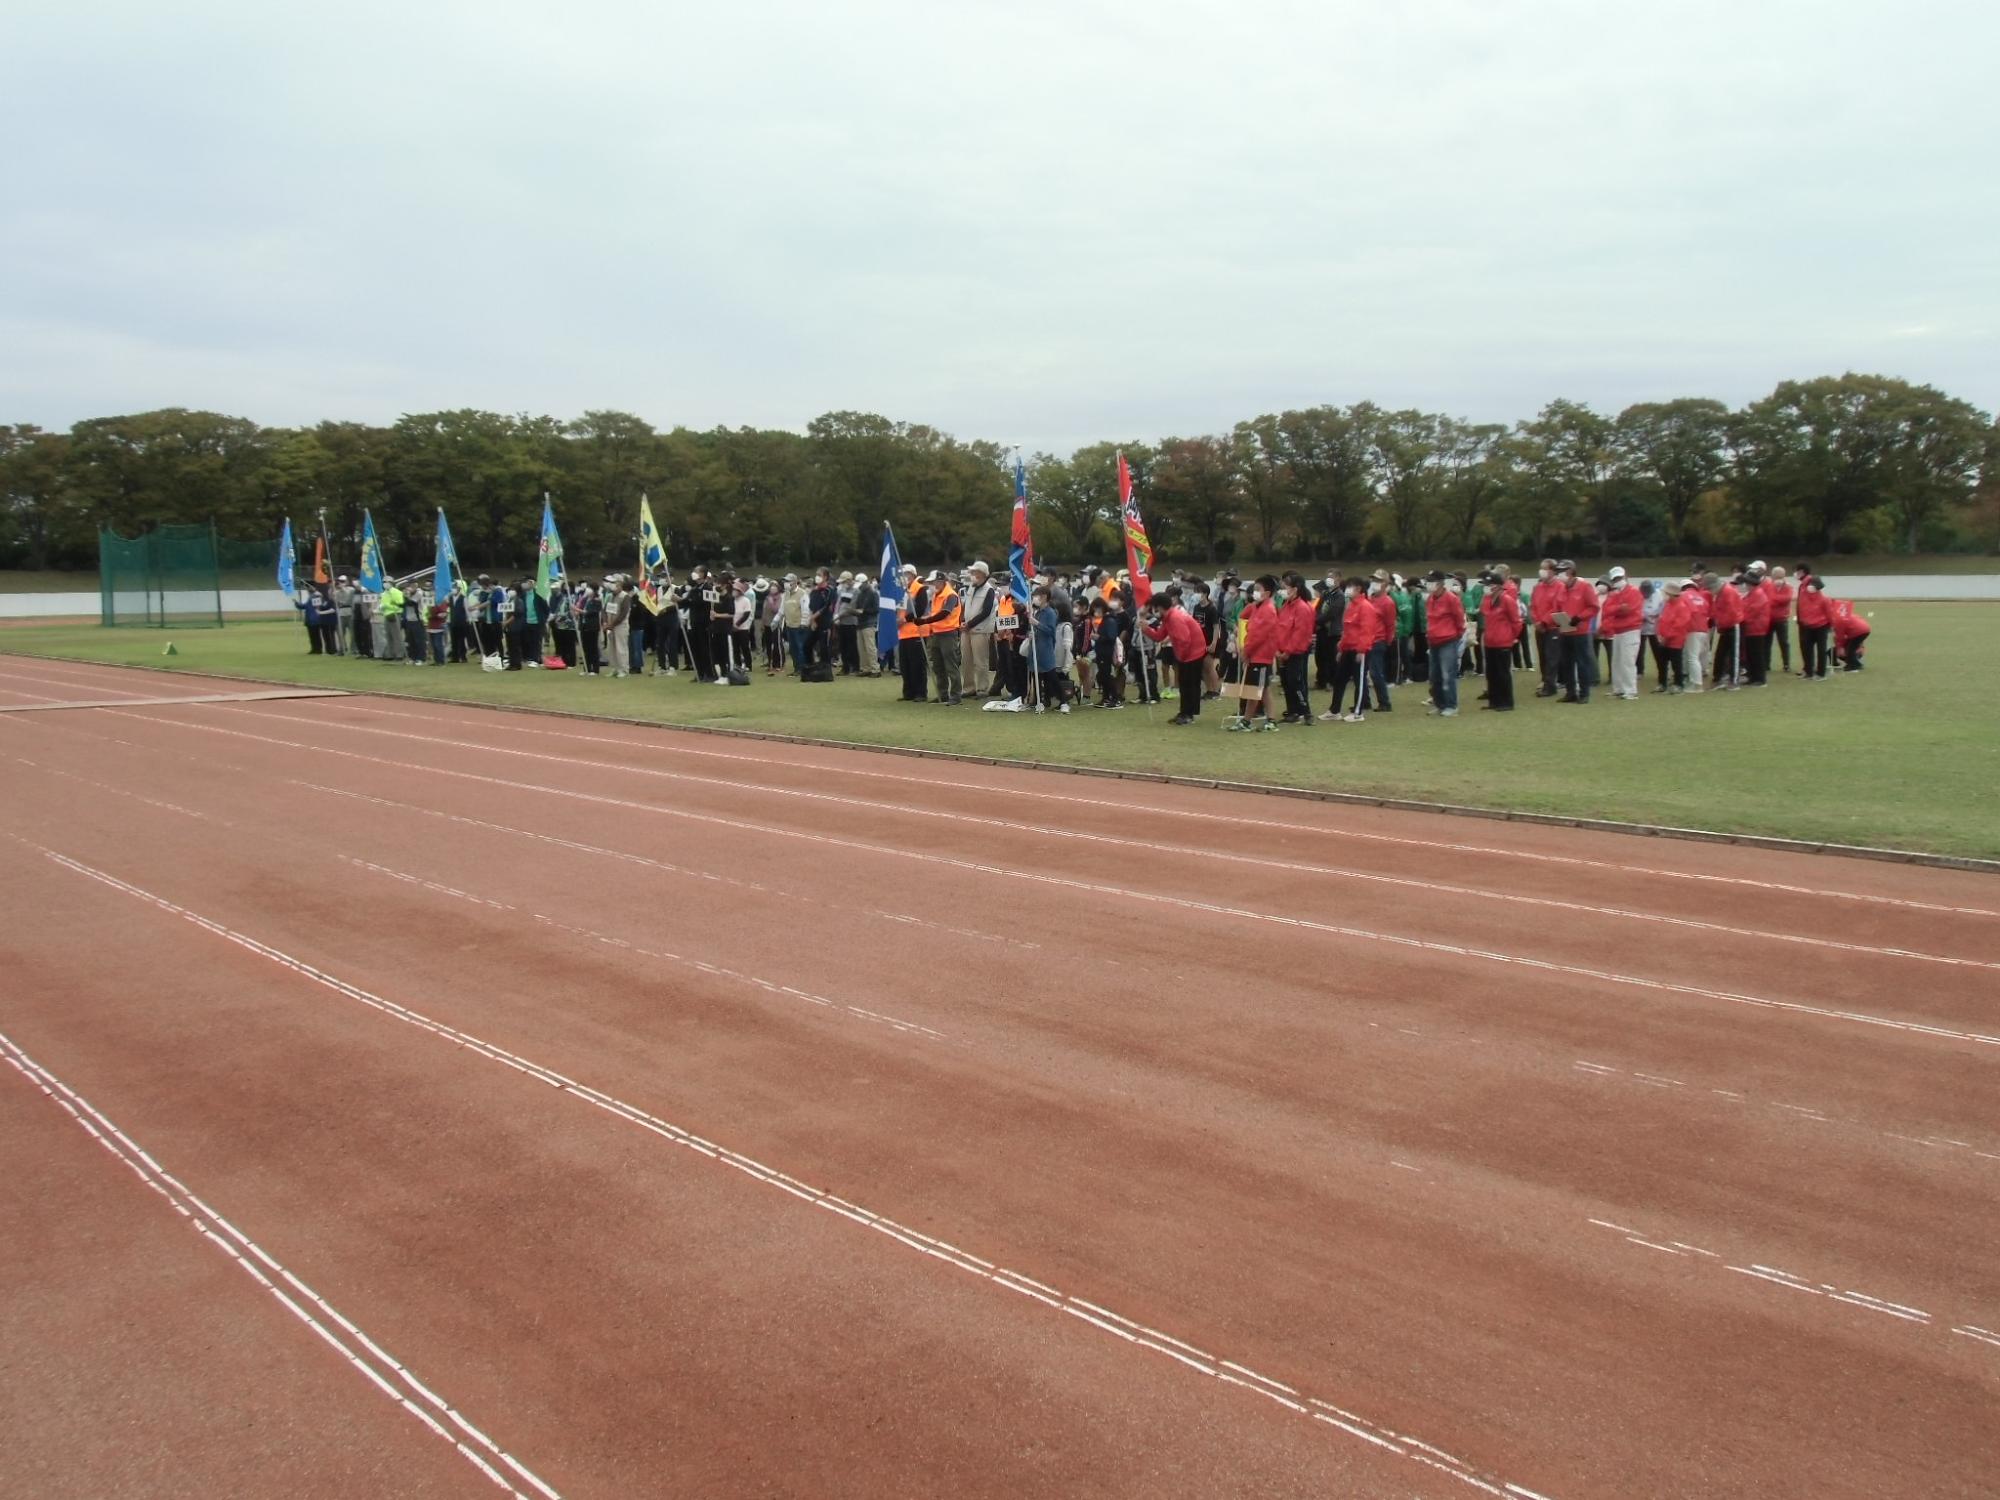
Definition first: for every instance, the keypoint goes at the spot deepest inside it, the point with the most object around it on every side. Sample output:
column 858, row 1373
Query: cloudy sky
column 1043, row 223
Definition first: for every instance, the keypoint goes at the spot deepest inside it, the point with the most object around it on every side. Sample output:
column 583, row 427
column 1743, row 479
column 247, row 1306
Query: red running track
column 628, row 1113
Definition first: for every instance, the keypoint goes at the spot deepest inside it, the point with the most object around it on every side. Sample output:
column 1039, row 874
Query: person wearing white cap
column 981, row 604
column 847, row 643
column 792, row 611
column 1622, row 614
column 944, row 613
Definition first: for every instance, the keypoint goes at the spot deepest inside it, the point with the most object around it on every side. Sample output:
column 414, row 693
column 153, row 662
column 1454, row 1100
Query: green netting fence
column 169, row 576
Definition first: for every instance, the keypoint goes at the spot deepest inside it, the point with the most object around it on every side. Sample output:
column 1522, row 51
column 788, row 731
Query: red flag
column 1021, row 550
column 321, row 573
column 1138, row 548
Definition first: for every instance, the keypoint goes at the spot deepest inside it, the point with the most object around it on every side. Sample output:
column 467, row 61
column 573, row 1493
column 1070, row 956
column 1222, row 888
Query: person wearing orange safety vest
column 944, row 614
column 910, row 637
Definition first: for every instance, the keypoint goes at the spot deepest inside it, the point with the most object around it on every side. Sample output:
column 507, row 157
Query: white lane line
column 1778, row 1276
column 105, row 786
column 670, row 743
column 1013, row 825
column 713, row 877
column 1088, row 1312
column 977, row 867
column 1600, row 1070
column 248, row 1256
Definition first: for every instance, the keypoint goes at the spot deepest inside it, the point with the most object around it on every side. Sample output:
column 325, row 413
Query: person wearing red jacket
column 1850, row 631
column 1260, row 650
column 1672, row 632
column 1502, row 622
column 1360, row 629
column 1815, row 622
column 1575, row 609
column 1701, row 616
column 1756, row 627
column 1624, row 612
column 1780, row 588
column 1379, row 668
column 1163, row 619
column 1444, row 630
column 1543, row 602
column 1296, row 619
column 1726, row 603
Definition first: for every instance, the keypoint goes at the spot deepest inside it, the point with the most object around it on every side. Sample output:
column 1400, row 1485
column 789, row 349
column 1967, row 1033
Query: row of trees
column 1853, row 463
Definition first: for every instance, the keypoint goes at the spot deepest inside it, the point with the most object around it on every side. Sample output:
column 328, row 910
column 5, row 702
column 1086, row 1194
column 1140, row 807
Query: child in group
column 1359, row 628
column 1260, row 650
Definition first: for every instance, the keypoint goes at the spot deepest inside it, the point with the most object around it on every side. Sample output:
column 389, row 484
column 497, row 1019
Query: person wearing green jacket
column 1409, row 639
column 389, row 612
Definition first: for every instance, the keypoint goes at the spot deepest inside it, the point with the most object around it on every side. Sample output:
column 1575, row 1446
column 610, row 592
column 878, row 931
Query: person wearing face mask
column 1624, row 614
column 1384, row 638
column 1501, row 629
column 1295, row 643
column 1543, row 602
column 1167, row 621
column 1444, row 633
column 1726, row 600
column 1575, row 616
column 1360, row 624
column 1260, row 650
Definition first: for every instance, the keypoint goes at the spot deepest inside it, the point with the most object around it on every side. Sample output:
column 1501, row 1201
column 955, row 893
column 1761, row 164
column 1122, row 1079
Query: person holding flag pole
column 389, row 644
column 1139, row 564
column 549, row 576
column 650, row 585
column 1020, row 570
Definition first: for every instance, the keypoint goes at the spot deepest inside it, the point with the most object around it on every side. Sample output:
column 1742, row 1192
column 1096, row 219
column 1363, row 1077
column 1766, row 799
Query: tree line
column 1853, row 463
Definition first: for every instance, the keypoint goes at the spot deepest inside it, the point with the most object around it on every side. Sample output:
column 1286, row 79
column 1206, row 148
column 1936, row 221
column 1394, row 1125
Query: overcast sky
column 1038, row 223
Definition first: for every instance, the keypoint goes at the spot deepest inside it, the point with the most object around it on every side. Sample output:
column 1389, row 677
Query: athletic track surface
column 412, row 1100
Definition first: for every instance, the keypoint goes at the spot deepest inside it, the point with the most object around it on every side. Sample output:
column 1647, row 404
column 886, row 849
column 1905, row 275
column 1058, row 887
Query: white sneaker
column 1063, row 709
column 1331, row 716
column 1447, row 713
column 1353, row 719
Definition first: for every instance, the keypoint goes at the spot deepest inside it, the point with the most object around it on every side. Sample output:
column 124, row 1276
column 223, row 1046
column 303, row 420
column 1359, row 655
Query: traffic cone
column 170, row 651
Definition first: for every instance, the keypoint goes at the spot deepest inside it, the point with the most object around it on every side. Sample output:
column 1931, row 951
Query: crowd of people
column 1265, row 644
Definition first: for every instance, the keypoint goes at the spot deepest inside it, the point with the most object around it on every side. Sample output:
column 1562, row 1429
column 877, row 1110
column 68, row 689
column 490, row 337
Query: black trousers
column 565, row 641
column 1781, row 632
column 1326, row 661
column 1549, row 643
column 1850, row 654
column 1812, row 650
column 916, row 677
column 1661, row 658
column 461, row 632
column 1757, row 657
column 1188, row 675
column 1500, row 679
column 591, row 638
column 1578, row 671
column 1725, row 654
column 1292, row 678
column 315, row 638
column 1352, row 668
column 850, row 649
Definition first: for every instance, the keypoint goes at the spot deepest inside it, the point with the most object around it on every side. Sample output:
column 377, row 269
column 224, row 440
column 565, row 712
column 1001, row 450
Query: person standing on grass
column 1501, row 627
column 1102, row 651
column 982, row 603
column 821, row 601
column 1260, row 653
column 345, row 597
column 1444, row 634
column 1815, row 625
column 1621, row 623
column 1296, row 621
column 1756, row 627
column 867, row 625
column 1779, row 587
column 1166, row 619
column 1384, row 639
column 910, row 631
column 1543, row 603
column 1726, row 604
column 1653, row 603
column 944, row 612
column 1696, row 655
column 1576, row 620
column 1672, row 632
column 437, row 624
column 389, row 609
column 313, row 607
column 1359, row 626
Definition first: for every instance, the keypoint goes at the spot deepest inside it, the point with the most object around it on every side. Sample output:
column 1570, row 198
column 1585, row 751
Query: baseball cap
column 1616, row 573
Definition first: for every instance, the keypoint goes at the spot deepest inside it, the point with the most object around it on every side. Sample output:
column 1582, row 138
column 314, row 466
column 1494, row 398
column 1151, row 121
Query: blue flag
column 288, row 561
column 891, row 589
column 549, row 555
column 446, row 570
column 370, row 574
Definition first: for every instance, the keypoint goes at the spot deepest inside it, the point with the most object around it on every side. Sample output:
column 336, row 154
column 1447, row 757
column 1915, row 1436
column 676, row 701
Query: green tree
column 1678, row 446
column 1200, row 488
column 38, row 522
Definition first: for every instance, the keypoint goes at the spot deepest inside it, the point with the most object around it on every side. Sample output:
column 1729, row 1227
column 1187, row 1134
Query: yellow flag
column 652, row 554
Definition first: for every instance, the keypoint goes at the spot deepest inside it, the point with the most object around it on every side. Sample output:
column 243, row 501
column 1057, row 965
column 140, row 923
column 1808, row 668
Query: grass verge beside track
column 1905, row 755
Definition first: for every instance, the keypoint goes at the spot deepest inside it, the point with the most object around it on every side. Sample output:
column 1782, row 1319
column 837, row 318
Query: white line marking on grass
column 248, row 1256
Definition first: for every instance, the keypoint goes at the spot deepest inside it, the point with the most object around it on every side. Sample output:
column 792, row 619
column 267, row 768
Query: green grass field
column 1905, row 755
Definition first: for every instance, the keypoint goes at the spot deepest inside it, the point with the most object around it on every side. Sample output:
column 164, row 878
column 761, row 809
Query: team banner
column 370, row 576
column 1138, row 548
column 549, row 555
column 652, row 559
column 447, row 575
column 288, row 561
column 1021, row 554
column 890, row 588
